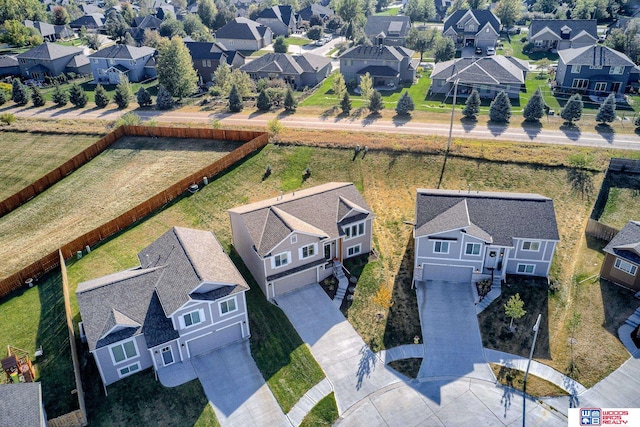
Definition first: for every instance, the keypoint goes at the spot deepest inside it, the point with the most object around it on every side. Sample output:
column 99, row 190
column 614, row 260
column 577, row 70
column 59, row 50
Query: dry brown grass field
column 127, row 173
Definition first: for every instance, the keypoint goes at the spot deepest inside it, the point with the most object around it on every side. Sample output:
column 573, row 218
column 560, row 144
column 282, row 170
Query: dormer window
column 472, row 27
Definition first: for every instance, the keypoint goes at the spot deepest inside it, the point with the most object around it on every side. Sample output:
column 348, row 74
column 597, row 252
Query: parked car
column 491, row 51
column 478, row 51
column 320, row 42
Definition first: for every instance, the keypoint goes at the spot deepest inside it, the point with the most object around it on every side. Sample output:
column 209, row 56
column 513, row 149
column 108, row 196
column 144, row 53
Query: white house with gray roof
column 488, row 75
column 185, row 299
column 562, row 33
column 296, row 239
column 110, row 64
column 49, row 60
column 463, row 236
column 296, row 70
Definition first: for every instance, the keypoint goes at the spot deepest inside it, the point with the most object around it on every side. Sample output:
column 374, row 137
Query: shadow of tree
column 366, row 365
column 370, row 119
column 532, row 129
column 606, row 132
column 571, row 131
column 581, row 181
column 329, row 112
column 401, row 120
column 468, row 124
column 496, row 128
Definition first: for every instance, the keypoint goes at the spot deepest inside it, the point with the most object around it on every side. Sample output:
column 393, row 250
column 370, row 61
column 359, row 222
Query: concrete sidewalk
column 308, row 401
column 451, row 335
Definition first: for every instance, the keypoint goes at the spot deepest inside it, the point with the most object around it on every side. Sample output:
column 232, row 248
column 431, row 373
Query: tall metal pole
column 453, row 110
column 536, row 327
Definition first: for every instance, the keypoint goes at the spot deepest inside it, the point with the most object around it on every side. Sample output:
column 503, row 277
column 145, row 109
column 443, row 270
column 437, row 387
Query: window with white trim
column 228, row 306
column 167, row 356
column 128, row 370
column 191, row 319
column 575, row 69
column 354, row 250
column 600, row 86
column 580, row 83
column 441, row 247
column 472, row 249
column 625, row 266
column 294, row 239
column 280, row 260
column 355, row 230
column 529, row 245
column 526, row 268
column 124, row 351
column 618, row 69
column 308, row 251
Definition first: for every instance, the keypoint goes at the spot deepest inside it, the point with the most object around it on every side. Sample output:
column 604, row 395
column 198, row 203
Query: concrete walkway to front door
column 450, row 331
column 351, row 367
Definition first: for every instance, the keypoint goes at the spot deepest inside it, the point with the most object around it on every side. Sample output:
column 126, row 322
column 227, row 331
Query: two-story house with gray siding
column 472, row 27
column 185, row 299
column 388, row 66
column 561, row 34
column 111, row 63
column 47, row 59
column 594, row 70
column 281, row 19
column 296, row 239
column 244, row 34
column 387, row 30
column 465, row 236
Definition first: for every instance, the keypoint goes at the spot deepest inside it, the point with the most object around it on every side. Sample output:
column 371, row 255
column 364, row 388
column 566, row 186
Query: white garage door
column 447, row 273
column 215, row 340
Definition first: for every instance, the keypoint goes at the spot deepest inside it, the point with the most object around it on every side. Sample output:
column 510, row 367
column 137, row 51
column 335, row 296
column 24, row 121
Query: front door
column 329, row 250
column 491, row 258
column 615, row 87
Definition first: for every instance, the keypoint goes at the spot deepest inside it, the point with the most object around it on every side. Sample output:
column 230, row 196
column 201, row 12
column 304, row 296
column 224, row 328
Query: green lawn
column 90, row 90
column 392, row 11
column 514, row 48
column 323, row 414
column 298, row 41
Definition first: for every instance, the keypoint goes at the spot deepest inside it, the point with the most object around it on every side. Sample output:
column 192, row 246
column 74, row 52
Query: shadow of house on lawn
column 618, row 304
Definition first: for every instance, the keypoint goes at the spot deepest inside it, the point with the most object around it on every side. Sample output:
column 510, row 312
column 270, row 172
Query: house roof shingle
column 496, row 69
column 577, row 26
column 318, row 211
column 123, row 51
column 598, row 55
column 483, row 16
column 286, row 64
column 626, row 244
column 242, row 29
column 397, row 25
column 8, row 61
column 380, row 53
column 494, row 217
column 49, row 51
column 315, row 9
column 21, row 405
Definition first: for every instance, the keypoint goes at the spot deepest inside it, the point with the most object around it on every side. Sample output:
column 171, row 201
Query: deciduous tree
column 280, row 45
column 508, row 11
column 338, row 86
column 175, row 69
column 207, row 12
column 514, row 308
column 59, row 16
column 366, row 88
column 445, row 49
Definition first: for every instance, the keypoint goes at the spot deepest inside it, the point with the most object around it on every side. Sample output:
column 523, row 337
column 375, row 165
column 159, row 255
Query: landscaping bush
column 3, row 97
column 472, row 106
column 19, row 93
column 101, row 97
column 500, row 108
column 36, row 96
column 7, row 118
column 78, row 97
column 60, row 96
column 280, row 45
column 164, row 100
column 143, row 97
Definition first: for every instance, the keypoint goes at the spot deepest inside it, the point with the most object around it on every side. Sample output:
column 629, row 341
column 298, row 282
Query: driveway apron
column 450, row 331
column 349, row 364
column 236, row 389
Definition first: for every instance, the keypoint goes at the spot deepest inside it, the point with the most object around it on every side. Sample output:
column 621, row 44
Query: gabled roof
column 282, row 13
column 380, row 53
column 493, row 217
column 204, row 50
column 8, row 61
column 21, row 405
column 148, row 21
column 315, row 9
column 482, row 16
column 140, row 300
column 538, row 26
column 92, row 20
column 286, row 64
column 123, row 51
column 319, row 211
column 242, row 29
column 78, row 61
column 626, row 244
column 492, row 70
column 599, row 55
column 45, row 29
column 387, row 24
column 49, row 51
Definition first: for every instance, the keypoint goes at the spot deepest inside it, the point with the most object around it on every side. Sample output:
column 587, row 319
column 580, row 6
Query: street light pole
column 536, row 327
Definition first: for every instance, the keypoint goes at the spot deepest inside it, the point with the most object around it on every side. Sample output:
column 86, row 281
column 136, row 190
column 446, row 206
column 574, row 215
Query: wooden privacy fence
column 624, row 165
column 600, row 230
column 255, row 141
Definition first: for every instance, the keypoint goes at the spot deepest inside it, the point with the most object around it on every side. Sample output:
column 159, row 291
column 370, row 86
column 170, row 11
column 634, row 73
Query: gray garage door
column 215, row 340
column 447, row 273
column 290, row 283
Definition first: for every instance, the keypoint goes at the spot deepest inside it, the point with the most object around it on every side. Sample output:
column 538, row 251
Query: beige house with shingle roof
column 293, row 240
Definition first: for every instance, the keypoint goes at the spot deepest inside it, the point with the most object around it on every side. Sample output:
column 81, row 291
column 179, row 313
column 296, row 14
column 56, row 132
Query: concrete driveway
column 450, row 331
column 349, row 364
column 235, row 388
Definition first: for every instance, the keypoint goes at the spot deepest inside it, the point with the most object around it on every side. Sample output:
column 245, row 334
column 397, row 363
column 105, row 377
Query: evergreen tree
column 375, row 102
column 123, row 93
column 60, row 96
column 19, row 93
column 164, row 100
column 144, row 98
column 500, row 109
column 636, row 122
column 235, row 100
column 263, row 103
column 607, row 111
column 100, row 96
column 175, row 69
column 345, row 104
column 36, row 96
column 534, row 110
column 3, row 97
column 405, row 104
column 280, row 45
column 290, row 103
column 77, row 96
column 472, row 106
column 572, row 110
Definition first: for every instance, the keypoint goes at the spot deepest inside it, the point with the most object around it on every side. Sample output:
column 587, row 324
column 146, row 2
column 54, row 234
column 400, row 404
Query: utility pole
column 453, row 110
column 536, row 327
